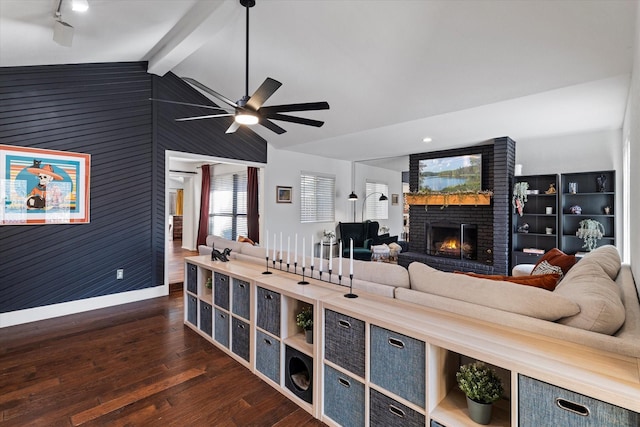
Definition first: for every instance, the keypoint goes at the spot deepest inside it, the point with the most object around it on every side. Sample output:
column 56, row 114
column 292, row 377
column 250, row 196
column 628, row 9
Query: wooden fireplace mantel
column 449, row 199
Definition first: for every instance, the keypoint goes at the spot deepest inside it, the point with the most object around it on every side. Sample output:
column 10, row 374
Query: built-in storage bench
column 542, row 404
column 362, row 358
column 377, row 361
column 344, row 368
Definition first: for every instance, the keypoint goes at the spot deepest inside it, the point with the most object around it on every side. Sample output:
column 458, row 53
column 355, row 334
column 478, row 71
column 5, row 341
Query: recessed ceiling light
column 426, row 139
column 79, row 5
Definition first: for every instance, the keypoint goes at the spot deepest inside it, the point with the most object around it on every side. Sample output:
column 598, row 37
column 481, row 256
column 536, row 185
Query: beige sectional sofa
column 595, row 304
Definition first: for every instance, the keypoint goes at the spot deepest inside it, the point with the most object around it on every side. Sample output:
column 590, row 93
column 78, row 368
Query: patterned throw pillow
column 545, row 268
column 557, row 258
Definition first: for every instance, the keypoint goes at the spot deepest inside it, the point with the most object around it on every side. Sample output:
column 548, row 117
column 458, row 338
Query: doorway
column 183, row 171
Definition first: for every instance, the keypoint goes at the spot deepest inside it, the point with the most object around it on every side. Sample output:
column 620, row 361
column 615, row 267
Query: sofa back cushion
column 254, row 251
column 599, row 298
column 377, row 272
column 220, row 243
column 506, row 296
column 606, row 257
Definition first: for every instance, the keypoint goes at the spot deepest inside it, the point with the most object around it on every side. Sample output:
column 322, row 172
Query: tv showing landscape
column 451, row 174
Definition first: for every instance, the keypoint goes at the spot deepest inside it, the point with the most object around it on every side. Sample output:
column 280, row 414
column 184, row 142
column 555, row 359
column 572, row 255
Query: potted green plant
column 304, row 319
column 590, row 231
column 520, row 196
column 482, row 386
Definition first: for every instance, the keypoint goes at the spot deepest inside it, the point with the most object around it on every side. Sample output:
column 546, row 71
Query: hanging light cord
column 246, row 70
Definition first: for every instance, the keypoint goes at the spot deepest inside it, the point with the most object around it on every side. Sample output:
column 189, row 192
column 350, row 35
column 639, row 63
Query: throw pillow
column 544, row 267
column 558, row 258
column 243, row 239
column 544, row 281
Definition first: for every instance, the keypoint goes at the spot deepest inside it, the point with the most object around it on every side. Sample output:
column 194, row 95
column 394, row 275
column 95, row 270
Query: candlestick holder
column 311, row 275
column 280, row 264
column 287, row 267
column 320, row 272
column 350, row 294
column 340, row 279
column 303, row 282
column 295, row 267
column 267, row 271
column 274, row 263
column 330, row 271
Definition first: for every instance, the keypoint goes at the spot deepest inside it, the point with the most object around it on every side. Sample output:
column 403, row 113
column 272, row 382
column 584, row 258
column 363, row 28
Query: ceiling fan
column 249, row 110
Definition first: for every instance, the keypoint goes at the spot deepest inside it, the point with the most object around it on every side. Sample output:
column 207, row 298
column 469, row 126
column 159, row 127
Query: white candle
column 288, row 249
column 295, row 254
column 274, row 246
column 281, row 246
column 351, row 256
column 303, row 255
column 312, row 257
column 321, row 253
column 340, row 259
column 266, row 247
column 330, row 254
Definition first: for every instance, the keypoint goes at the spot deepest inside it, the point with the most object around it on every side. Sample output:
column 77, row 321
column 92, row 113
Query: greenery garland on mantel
column 459, row 198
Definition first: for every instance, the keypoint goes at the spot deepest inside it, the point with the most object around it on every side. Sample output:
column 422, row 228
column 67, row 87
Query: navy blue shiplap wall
column 102, row 110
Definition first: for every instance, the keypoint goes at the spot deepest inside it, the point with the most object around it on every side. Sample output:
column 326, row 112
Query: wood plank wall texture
column 103, row 110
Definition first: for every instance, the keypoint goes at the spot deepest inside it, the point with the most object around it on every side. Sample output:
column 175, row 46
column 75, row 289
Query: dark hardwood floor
column 131, row 365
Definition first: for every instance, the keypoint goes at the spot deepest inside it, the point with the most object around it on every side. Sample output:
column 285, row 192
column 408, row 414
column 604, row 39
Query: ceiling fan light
column 79, row 5
column 246, row 119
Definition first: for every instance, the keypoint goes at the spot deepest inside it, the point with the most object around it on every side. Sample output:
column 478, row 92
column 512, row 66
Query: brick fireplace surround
column 493, row 221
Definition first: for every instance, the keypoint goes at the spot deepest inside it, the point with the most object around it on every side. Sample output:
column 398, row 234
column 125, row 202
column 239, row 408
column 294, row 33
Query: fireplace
column 452, row 240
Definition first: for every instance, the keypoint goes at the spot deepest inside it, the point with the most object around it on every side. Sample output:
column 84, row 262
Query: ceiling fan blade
column 266, row 89
column 210, row 116
column 234, row 127
column 271, row 126
column 292, row 119
column 188, row 104
column 209, row 91
column 305, row 106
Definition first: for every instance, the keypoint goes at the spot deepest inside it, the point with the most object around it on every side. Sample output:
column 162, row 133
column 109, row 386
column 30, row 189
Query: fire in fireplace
column 452, row 240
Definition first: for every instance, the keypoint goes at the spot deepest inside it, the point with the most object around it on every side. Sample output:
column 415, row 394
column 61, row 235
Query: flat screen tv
column 451, row 174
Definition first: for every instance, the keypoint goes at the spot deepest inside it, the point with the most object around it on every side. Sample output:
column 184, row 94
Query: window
column 228, row 205
column 317, row 196
column 375, row 209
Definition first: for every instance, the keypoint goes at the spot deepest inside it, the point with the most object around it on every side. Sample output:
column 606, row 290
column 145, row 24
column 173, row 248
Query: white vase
column 479, row 412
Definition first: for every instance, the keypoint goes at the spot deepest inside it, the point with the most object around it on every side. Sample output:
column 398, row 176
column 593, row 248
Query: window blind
column 228, row 205
column 317, row 198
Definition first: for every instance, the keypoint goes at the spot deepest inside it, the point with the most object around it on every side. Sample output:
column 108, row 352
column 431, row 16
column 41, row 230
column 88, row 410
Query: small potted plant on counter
column 304, row 319
column 482, row 386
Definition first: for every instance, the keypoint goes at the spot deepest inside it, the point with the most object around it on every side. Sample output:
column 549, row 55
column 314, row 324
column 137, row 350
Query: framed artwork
column 43, row 186
column 394, row 199
column 283, row 194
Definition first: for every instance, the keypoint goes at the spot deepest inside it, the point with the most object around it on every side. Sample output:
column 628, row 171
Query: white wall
column 584, row 152
column 283, row 168
column 394, row 180
column 631, row 132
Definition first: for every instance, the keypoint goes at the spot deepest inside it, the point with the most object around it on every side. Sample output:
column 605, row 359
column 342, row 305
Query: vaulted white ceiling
column 393, row 71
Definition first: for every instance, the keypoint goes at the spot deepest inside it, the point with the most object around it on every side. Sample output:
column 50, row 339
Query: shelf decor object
column 520, row 192
column 590, row 231
column 482, row 386
column 304, row 319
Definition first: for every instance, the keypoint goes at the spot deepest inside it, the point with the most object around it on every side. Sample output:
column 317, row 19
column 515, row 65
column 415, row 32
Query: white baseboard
column 56, row 310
